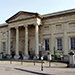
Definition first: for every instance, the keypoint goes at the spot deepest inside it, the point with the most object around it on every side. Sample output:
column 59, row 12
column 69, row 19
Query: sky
column 10, row 7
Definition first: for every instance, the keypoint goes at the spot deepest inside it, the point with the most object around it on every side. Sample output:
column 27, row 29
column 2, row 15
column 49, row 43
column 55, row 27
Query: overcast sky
column 10, row 7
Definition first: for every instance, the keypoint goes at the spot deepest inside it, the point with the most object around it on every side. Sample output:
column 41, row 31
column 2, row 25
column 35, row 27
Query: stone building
column 23, row 32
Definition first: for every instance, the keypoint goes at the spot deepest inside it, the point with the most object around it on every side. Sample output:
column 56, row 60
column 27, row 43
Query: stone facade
column 26, row 30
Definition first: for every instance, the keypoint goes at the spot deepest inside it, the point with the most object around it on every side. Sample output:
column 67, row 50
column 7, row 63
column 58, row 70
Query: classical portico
column 24, row 19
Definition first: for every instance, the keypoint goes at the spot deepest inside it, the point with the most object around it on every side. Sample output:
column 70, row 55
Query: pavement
column 28, row 68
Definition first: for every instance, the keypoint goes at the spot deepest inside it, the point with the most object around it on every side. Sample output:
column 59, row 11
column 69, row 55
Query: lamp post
column 41, row 57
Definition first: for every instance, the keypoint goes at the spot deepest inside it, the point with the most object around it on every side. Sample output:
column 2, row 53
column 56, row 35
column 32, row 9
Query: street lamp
column 41, row 56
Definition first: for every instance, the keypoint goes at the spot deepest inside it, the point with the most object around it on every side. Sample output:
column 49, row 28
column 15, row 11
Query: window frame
column 11, row 48
column 73, row 42
column 48, row 44
column 59, row 44
column 3, row 46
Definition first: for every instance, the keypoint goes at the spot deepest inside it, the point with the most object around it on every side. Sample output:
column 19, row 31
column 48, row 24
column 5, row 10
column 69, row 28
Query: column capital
column 25, row 25
column 8, row 28
column 35, row 24
column 16, row 27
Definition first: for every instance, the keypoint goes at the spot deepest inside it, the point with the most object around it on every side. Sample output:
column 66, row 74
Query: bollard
column 42, row 63
column 49, row 63
column 34, row 60
column 10, row 61
column 71, row 59
column 21, row 62
column 41, row 57
column 67, row 64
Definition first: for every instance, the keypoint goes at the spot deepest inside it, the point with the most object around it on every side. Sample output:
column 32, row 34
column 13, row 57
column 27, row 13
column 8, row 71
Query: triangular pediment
column 22, row 15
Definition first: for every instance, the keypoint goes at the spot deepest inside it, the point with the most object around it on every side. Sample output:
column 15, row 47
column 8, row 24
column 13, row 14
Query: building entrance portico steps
column 17, row 42
column 37, row 63
column 25, row 55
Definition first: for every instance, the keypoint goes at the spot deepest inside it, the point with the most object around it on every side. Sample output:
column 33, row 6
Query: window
column 58, row 26
column 72, row 43
column 59, row 44
column 72, row 25
column 11, row 45
column 3, row 47
column 47, row 44
column 46, row 28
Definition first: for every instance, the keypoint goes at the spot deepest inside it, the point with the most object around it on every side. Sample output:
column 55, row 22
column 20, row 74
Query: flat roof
column 4, row 24
column 59, row 13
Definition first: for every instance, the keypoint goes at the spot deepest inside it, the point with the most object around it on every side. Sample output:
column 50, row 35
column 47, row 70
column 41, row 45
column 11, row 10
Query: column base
column 8, row 56
column 36, row 57
column 71, row 65
column 25, row 57
column 16, row 57
column 0, row 56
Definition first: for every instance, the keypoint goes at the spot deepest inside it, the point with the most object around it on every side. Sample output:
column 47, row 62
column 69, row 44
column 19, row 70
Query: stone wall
column 3, row 38
column 51, row 28
column 62, row 26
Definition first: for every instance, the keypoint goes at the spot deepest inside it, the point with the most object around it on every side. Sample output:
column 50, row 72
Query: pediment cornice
column 22, row 15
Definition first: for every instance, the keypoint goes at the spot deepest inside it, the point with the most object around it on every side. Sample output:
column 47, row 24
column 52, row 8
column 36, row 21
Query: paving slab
column 25, row 69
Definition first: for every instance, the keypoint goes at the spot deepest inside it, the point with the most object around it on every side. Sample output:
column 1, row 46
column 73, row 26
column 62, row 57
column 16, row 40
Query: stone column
column 9, row 41
column 52, row 38
column 26, row 40
column 65, row 43
column 36, row 42
column 17, row 43
column 0, row 44
column 26, row 56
